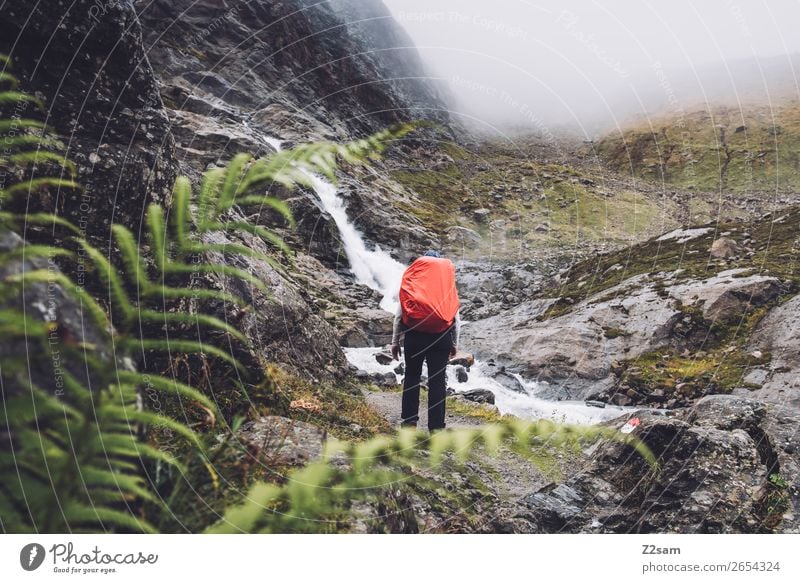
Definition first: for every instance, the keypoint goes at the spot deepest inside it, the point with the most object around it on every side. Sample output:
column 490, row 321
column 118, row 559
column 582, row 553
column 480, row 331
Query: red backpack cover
column 428, row 295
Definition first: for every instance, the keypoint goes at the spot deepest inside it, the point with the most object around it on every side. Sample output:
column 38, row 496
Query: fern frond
column 260, row 231
column 15, row 143
column 94, row 477
column 206, row 207
column 217, row 269
column 157, row 230
column 243, row 518
column 110, row 278
column 130, row 414
column 75, row 513
column 233, row 182
column 34, row 251
column 44, row 219
column 191, row 318
column 186, row 346
column 275, row 204
column 14, row 97
column 165, row 292
column 40, row 156
column 81, row 295
column 15, row 124
column 34, row 184
column 168, row 386
column 181, row 195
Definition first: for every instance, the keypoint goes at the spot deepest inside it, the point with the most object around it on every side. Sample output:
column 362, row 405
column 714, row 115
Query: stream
column 378, row 270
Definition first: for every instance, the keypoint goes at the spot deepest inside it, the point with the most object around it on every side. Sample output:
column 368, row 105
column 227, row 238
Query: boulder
column 715, row 466
column 728, row 295
column 481, row 215
column 478, row 396
column 106, row 103
column 575, row 352
column 386, row 380
column 779, row 334
column 462, row 236
column 500, row 375
column 464, row 359
column 461, row 374
column 724, row 248
column 280, row 441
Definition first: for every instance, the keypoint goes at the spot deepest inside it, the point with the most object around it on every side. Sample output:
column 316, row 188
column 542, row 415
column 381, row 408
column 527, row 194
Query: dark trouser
column 435, row 348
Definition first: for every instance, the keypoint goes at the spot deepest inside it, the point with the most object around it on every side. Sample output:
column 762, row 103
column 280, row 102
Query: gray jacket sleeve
column 457, row 329
column 398, row 318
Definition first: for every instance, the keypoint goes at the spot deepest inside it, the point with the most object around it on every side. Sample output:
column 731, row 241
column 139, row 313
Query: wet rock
column 621, row 399
column 461, row 374
column 462, row 359
column 553, row 507
column 303, row 341
column 479, row 396
column 481, row 215
column 386, row 380
column 500, row 375
column 281, row 441
column 384, row 358
column 575, row 350
column 106, row 102
column 779, row 334
column 715, row 460
column 462, row 236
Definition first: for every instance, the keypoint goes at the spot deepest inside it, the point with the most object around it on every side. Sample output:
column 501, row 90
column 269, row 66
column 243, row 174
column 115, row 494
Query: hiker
column 429, row 318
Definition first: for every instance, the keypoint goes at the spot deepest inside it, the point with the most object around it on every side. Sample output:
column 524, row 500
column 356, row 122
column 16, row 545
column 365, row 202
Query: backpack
column 428, row 295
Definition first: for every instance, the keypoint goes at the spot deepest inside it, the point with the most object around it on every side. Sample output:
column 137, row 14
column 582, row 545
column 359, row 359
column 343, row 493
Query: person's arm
column 456, row 334
column 396, row 331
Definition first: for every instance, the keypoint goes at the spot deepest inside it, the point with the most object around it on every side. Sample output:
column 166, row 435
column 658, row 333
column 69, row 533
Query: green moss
column 610, row 332
column 776, row 246
column 334, row 408
column 473, row 410
column 774, row 502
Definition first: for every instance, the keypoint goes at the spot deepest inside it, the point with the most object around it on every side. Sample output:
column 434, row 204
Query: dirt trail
column 508, row 473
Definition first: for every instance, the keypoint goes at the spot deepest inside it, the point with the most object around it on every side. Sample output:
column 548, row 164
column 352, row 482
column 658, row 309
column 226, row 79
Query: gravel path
column 511, row 475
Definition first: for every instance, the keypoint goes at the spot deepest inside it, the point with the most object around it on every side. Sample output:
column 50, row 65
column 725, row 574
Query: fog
column 594, row 65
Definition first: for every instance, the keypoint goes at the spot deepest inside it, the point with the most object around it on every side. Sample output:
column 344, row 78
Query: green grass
column 690, row 151
column 524, row 193
column 472, row 410
column 334, row 408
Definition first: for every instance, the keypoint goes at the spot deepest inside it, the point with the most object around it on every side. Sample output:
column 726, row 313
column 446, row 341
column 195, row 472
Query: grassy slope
column 523, row 193
column 755, row 148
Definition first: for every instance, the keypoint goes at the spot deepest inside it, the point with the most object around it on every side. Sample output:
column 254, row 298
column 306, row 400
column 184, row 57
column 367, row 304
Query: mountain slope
column 751, row 151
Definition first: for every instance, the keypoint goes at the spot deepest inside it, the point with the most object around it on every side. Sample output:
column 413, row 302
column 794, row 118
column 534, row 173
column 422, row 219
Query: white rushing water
column 378, row 270
column 374, row 268
column 526, row 405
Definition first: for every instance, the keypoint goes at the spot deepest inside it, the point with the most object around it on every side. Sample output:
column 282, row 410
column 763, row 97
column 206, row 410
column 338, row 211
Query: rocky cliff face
column 297, row 68
column 143, row 90
column 87, row 62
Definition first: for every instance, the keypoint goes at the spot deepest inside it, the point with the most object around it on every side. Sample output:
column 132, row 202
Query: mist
column 591, row 66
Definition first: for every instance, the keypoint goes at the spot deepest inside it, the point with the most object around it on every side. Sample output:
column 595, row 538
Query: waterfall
column 374, row 268
column 379, row 271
